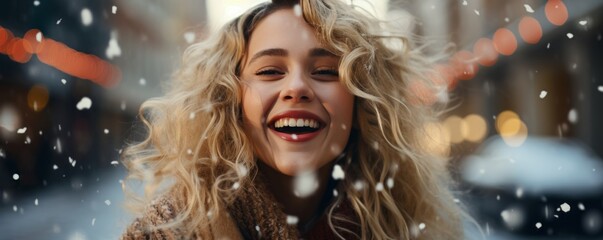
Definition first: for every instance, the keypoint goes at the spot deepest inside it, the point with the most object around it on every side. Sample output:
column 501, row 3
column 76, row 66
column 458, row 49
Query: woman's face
column 295, row 110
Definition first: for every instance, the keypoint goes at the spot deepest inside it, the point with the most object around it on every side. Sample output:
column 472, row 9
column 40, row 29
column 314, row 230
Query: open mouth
column 296, row 125
column 296, row 129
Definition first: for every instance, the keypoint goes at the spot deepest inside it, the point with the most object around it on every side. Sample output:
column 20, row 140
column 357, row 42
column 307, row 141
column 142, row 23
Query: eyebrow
column 269, row 52
column 321, row 52
column 279, row 52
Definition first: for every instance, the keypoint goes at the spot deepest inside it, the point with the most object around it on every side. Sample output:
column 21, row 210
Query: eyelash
column 331, row 72
column 268, row 72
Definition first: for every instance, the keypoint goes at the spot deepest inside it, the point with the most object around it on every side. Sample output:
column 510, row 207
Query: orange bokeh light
column 423, row 95
column 464, row 64
column 484, row 51
column 504, row 41
column 37, row 98
column 530, row 30
column 78, row 64
column 30, row 37
column 17, row 50
column 445, row 75
column 556, row 12
column 5, row 37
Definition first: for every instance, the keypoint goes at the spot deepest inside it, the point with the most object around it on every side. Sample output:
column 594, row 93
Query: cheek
column 252, row 108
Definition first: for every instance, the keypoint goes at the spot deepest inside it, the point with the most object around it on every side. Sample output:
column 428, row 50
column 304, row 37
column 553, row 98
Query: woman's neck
column 282, row 187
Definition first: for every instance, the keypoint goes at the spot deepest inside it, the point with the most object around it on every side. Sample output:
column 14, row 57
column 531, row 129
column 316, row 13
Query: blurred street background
column 524, row 137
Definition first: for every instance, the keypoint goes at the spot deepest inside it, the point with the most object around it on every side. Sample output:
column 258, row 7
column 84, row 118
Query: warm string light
column 59, row 56
column 463, row 65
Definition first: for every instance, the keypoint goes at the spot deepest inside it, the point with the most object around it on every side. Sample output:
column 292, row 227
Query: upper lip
column 296, row 114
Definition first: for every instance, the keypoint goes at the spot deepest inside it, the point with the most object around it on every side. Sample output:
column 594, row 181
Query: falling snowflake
column 63, row 81
column 36, row 202
column 305, row 184
column 108, row 202
column 538, row 225
column 528, row 8
column 338, row 172
column 464, row 2
column 292, row 220
column 600, row 88
column 297, row 10
column 583, row 22
column 114, row 162
column 55, row 167
column 86, row 15
column 36, row 3
column 189, row 37
column 39, row 36
column 565, row 207
column 379, row 187
column 72, row 161
column 113, row 49
column 114, row 9
column 476, row 12
column 390, row 183
column 16, row 177
column 22, row 130
column 581, row 206
column 421, row 226
column 543, row 94
column 142, row 82
column 59, row 21
column 519, row 192
column 236, row 185
column 572, row 116
column 570, row 35
column 93, row 220
column 84, row 103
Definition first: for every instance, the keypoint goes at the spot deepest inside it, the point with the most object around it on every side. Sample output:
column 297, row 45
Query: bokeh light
column 436, row 139
column 457, row 128
column 556, row 12
column 31, row 38
column 78, row 64
column 464, row 64
column 423, row 95
column 504, row 41
column 530, row 30
column 37, row 98
column 476, row 128
column 484, row 51
column 511, row 128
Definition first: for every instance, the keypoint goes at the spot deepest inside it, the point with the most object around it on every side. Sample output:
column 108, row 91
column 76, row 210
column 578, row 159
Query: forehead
column 283, row 29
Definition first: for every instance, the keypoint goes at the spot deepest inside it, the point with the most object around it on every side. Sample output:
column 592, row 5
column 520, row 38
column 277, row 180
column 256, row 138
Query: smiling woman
column 293, row 121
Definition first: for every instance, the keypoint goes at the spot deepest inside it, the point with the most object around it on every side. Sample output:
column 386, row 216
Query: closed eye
column 268, row 72
column 332, row 72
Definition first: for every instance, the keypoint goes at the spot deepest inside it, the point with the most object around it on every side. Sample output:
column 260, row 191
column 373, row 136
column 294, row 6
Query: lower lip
column 296, row 137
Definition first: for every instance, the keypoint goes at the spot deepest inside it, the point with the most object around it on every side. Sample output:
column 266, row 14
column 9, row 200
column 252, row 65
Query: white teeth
column 296, row 122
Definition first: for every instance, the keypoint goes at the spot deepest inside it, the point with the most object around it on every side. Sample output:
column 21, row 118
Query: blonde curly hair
column 196, row 143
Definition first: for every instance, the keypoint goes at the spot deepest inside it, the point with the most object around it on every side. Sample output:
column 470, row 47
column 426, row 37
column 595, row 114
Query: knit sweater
column 255, row 214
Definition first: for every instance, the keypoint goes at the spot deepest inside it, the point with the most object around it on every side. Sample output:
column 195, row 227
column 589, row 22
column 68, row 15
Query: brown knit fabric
column 255, row 214
column 259, row 216
column 161, row 211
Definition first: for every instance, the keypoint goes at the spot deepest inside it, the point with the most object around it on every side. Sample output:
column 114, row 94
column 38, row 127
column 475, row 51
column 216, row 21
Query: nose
column 297, row 89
